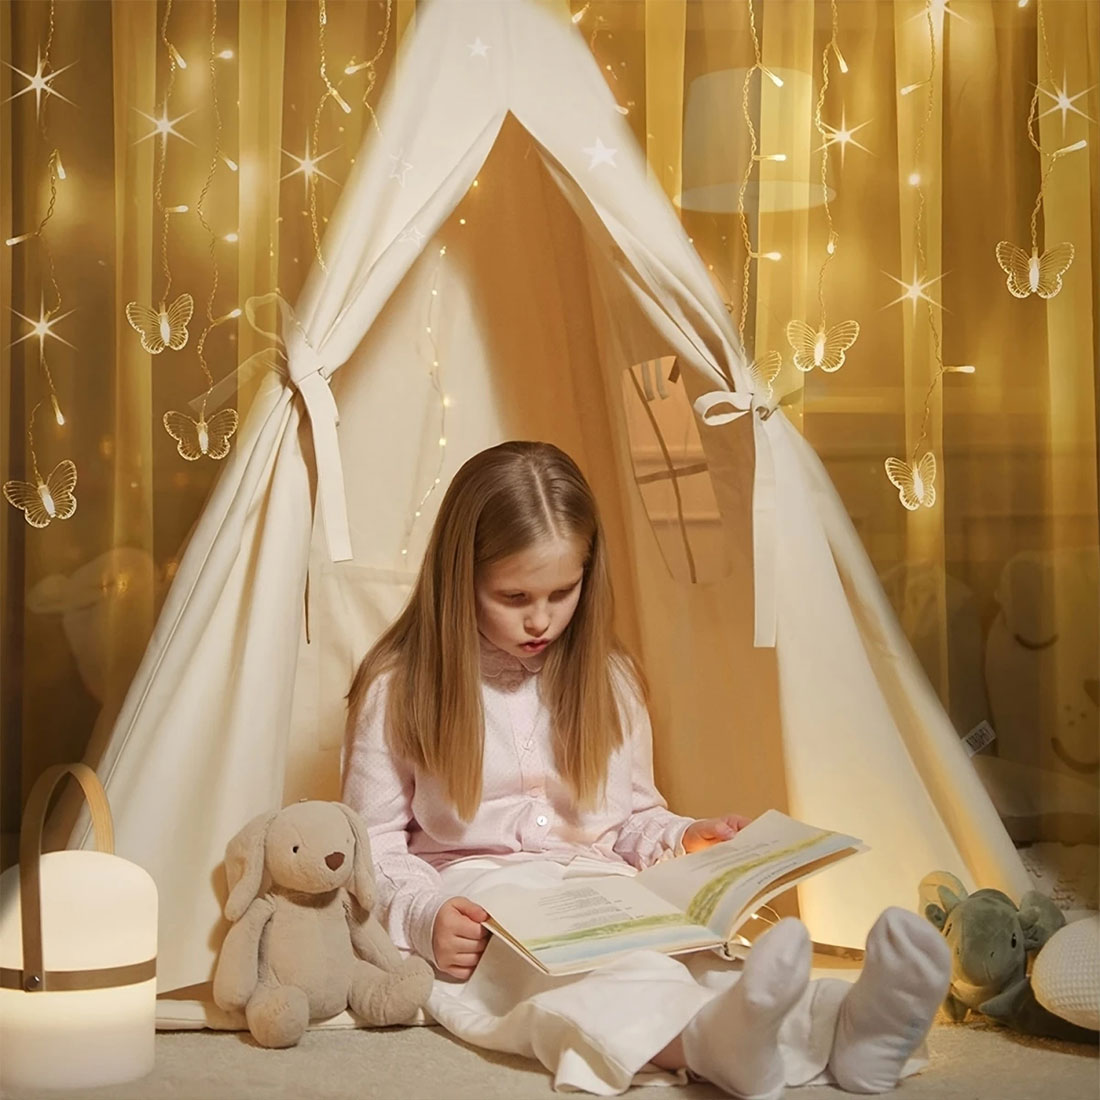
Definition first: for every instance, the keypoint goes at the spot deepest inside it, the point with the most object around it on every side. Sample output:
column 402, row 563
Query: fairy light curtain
column 921, row 110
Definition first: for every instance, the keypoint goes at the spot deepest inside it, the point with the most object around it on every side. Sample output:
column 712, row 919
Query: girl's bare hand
column 459, row 937
column 710, row 830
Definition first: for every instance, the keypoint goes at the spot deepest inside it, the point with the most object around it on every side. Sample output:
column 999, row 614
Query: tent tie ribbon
column 307, row 375
column 722, row 407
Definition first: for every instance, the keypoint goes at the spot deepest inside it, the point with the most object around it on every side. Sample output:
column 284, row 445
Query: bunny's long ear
column 244, row 864
column 362, row 879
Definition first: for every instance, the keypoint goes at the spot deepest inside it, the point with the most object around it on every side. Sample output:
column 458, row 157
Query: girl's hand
column 459, row 937
column 710, row 830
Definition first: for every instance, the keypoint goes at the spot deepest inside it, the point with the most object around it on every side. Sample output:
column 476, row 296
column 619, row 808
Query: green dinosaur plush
column 991, row 941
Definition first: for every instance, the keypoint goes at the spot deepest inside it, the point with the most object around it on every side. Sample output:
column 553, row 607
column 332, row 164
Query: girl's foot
column 733, row 1040
column 890, row 1008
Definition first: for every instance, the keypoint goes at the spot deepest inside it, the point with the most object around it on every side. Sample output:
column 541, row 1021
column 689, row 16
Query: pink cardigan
column 526, row 810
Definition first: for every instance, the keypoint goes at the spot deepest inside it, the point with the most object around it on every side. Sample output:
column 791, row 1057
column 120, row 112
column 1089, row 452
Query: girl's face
column 525, row 601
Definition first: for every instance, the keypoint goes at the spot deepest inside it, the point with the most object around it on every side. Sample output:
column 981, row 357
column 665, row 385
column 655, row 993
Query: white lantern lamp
column 78, row 946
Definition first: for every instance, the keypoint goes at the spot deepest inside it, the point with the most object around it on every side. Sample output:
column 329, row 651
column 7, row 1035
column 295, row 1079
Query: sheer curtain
column 995, row 584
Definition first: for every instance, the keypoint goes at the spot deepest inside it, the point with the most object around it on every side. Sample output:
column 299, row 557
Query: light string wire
column 824, row 347
column 827, row 138
column 50, row 498
column 819, row 125
column 331, row 92
column 1032, row 117
column 211, row 320
column 749, row 162
column 308, row 164
column 436, row 379
column 162, row 157
column 370, row 66
column 42, row 325
column 918, row 238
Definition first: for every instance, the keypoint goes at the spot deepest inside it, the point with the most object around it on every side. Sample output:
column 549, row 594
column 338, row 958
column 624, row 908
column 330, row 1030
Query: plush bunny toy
column 308, row 947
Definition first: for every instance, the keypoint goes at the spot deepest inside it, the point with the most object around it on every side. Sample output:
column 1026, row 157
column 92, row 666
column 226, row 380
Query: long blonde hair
column 501, row 502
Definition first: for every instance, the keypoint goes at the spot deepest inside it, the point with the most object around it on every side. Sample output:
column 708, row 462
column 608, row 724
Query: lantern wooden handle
column 30, row 851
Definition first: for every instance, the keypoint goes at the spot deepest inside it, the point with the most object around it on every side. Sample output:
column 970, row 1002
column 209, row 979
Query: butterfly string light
column 915, row 477
column 166, row 326
column 46, row 498
column 43, row 325
column 200, row 438
column 825, row 347
column 1039, row 272
column 914, row 481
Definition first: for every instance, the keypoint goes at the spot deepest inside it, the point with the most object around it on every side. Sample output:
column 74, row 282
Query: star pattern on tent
column 401, row 167
column 412, row 235
column 600, row 154
column 478, row 48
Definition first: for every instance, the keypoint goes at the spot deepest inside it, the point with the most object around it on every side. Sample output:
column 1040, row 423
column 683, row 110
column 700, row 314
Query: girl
column 497, row 733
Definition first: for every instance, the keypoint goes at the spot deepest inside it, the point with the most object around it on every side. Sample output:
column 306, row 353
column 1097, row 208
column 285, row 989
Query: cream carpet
column 972, row 1061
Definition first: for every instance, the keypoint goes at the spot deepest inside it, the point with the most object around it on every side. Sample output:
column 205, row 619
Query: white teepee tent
column 573, row 270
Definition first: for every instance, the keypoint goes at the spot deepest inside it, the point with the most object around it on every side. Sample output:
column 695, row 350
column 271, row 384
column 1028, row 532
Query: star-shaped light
column 1064, row 102
column 307, row 165
column 164, row 126
column 940, row 9
column 844, row 136
column 600, row 154
column 401, row 167
column 478, row 48
column 39, row 83
column 412, row 235
column 914, row 290
column 42, row 326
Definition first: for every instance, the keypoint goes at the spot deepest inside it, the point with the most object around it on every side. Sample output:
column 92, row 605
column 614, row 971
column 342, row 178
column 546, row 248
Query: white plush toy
column 1066, row 974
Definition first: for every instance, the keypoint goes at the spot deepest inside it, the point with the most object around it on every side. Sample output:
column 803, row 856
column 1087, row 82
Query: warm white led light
column 164, row 126
column 915, row 290
column 39, row 82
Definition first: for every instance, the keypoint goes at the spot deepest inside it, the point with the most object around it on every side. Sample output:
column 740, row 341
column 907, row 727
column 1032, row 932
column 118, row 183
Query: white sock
column 890, row 1008
column 732, row 1040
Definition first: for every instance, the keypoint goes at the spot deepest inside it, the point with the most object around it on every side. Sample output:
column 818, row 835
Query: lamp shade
column 78, row 943
column 716, row 148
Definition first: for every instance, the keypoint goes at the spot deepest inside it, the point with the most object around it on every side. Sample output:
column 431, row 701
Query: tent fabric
column 571, row 268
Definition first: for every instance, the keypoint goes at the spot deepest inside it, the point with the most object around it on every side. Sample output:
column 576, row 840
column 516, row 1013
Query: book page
column 587, row 922
column 720, row 886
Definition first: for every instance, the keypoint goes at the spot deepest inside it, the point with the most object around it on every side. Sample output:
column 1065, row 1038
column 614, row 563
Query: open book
column 684, row 904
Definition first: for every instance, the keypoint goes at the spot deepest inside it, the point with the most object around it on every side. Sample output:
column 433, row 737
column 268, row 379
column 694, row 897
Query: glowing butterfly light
column 822, row 347
column 764, row 372
column 1034, row 274
column 914, row 481
column 196, row 438
column 162, row 328
column 44, row 501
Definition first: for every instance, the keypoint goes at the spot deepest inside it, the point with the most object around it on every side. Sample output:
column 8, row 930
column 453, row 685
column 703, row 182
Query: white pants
column 596, row 1032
